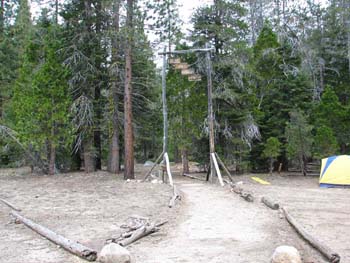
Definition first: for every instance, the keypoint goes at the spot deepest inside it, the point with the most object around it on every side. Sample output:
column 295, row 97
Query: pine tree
column 299, row 139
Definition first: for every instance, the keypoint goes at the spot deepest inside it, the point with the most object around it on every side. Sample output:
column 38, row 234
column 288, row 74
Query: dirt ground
column 325, row 212
column 211, row 224
column 85, row 208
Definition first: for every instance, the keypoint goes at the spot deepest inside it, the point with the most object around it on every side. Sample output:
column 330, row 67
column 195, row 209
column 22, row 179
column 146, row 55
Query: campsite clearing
column 210, row 224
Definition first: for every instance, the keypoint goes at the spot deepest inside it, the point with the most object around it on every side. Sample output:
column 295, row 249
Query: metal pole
column 165, row 109
column 210, row 113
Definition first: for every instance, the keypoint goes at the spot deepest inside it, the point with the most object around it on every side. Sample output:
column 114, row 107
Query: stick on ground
column 10, row 205
column 332, row 256
column 71, row 246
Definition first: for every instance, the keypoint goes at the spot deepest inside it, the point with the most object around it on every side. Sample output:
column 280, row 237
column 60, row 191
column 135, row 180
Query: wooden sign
column 187, row 72
column 174, row 61
column 181, row 66
column 195, row 77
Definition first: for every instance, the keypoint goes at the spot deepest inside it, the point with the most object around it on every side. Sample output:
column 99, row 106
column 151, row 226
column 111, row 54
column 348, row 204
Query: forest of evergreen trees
column 79, row 85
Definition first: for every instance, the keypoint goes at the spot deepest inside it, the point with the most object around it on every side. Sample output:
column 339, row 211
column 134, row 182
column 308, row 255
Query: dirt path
column 218, row 226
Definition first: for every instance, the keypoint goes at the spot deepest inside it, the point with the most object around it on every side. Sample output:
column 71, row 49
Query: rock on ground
column 114, row 253
column 286, row 254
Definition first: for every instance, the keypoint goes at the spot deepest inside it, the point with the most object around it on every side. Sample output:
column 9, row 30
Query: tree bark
column 114, row 158
column 97, row 97
column 271, row 166
column 185, row 166
column 1, row 32
column 128, row 116
column 88, row 156
column 52, row 159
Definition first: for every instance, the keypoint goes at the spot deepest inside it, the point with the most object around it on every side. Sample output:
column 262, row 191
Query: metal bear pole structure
column 214, row 165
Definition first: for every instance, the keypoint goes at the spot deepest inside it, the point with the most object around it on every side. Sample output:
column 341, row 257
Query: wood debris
column 135, row 228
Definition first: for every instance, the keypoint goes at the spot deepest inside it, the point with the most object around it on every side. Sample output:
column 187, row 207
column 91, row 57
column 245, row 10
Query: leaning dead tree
column 71, row 246
column 7, row 132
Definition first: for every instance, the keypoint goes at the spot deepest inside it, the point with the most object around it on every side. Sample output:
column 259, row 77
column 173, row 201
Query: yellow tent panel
column 335, row 171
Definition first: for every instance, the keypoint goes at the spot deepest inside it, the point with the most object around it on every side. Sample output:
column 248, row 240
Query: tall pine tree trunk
column 97, row 97
column 52, row 159
column 185, row 165
column 113, row 156
column 1, row 37
column 128, row 117
column 89, row 164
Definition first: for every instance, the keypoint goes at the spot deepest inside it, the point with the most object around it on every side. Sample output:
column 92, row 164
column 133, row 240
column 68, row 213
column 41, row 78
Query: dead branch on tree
column 331, row 255
column 7, row 132
column 71, row 246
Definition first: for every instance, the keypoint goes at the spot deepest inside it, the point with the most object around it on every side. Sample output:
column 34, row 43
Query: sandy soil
column 211, row 224
column 86, row 208
column 324, row 212
column 218, row 226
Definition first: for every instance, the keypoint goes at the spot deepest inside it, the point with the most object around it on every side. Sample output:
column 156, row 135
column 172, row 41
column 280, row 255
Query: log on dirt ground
column 136, row 228
column 245, row 195
column 270, row 203
column 176, row 196
column 193, row 177
column 139, row 233
column 10, row 205
column 71, row 246
column 331, row 255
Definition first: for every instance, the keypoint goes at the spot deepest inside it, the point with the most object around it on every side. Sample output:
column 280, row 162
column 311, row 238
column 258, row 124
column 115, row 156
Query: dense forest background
column 79, row 86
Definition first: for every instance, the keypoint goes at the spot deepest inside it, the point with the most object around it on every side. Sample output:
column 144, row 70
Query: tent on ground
column 335, row 171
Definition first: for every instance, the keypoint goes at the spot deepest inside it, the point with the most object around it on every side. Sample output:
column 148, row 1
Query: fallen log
column 270, row 203
column 331, row 255
column 71, row 246
column 10, row 205
column 245, row 195
column 137, row 234
column 193, row 177
column 176, row 196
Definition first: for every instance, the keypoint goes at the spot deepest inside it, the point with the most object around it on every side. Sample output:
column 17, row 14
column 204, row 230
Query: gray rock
column 148, row 163
column 286, row 254
column 114, row 253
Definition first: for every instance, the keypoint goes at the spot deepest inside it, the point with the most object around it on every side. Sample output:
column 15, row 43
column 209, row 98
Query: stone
column 286, row 254
column 114, row 253
column 148, row 163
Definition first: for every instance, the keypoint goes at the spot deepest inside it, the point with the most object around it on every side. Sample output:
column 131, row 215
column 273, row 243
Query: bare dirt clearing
column 85, row 208
column 218, row 226
column 325, row 213
column 212, row 224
